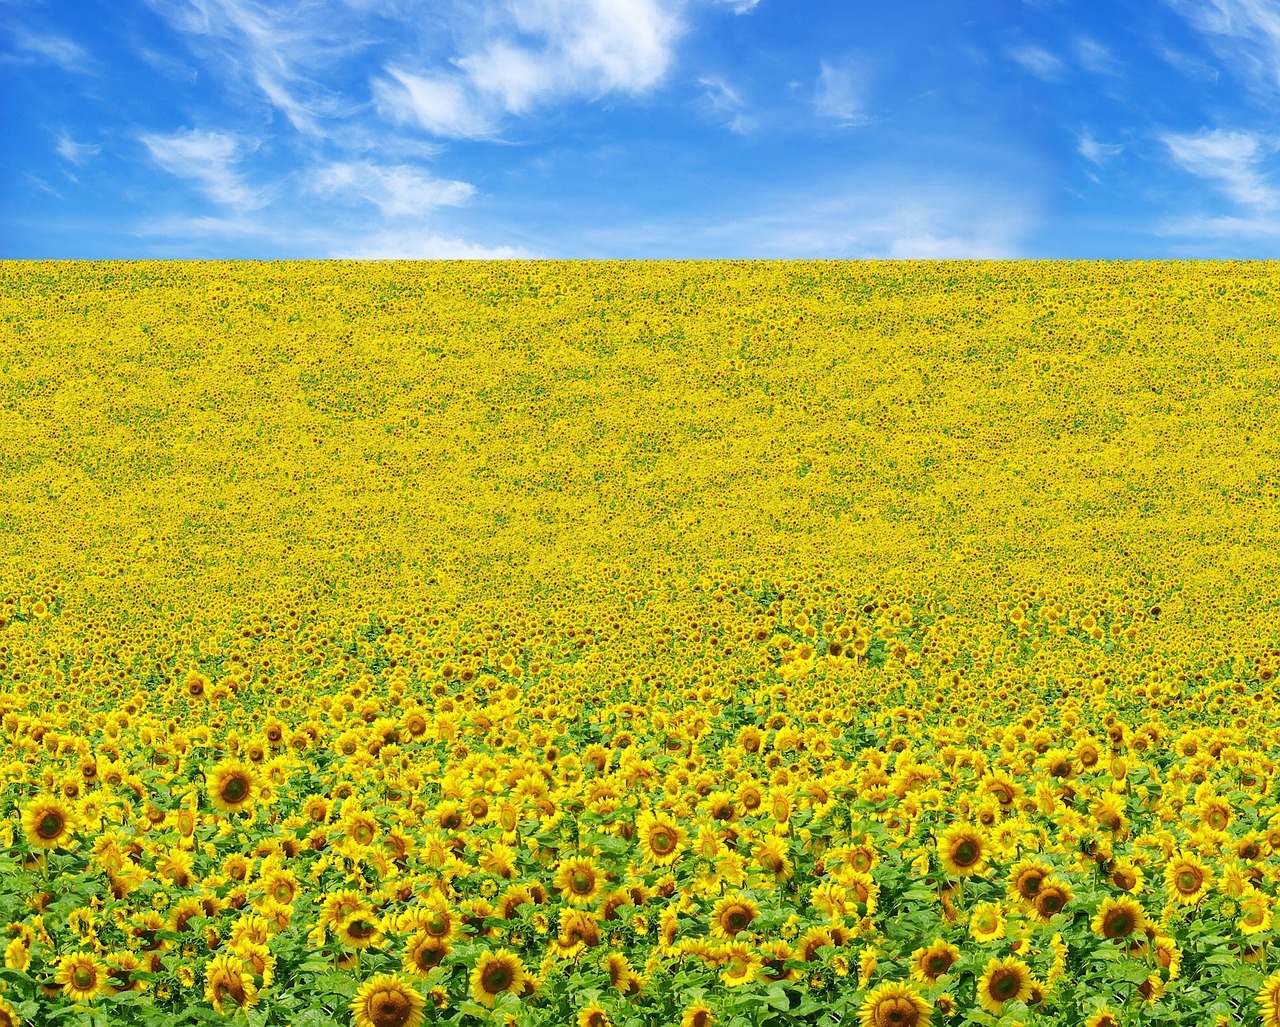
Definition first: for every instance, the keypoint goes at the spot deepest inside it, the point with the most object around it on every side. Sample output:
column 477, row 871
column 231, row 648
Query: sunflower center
column 235, row 789
column 1005, row 986
column 897, row 1012
column 966, row 853
column 737, row 919
column 497, row 978
column 1188, row 880
column 1118, row 925
column 83, row 977
column 391, row 1009
column 939, row 964
column 581, row 882
column 1051, row 902
column 360, row 929
column 50, row 826
column 662, row 842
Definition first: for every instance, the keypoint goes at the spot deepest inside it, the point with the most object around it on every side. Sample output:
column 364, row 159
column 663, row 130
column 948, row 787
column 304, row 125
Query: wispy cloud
column 209, row 160
column 724, row 103
column 1038, row 61
column 840, row 94
column 1244, row 33
column 740, row 6
column 51, row 48
column 76, row 153
column 397, row 191
column 1094, row 151
column 1094, row 57
column 1232, row 160
column 280, row 49
column 422, row 244
column 533, row 52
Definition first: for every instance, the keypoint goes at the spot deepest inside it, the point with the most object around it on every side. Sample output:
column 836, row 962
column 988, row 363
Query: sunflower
column 697, row 1015
column 360, row 930
column 48, row 823
column 227, row 981
column 232, row 786
column 82, row 976
column 732, row 914
column 579, row 880
column 8, row 1015
column 1269, row 999
column 1003, row 980
column 495, row 973
column 928, row 964
column 1186, row 878
column 387, row 1000
column 661, row 838
column 1052, row 898
column 1102, row 1017
column 423, row 952
column 1025, row 878
column 594, row 1015
column 742, row 964
column 1119, row 918
column 986, row 922
column 895, row 1005
column 962, row 850
column 771, row 856
column 1255, row 913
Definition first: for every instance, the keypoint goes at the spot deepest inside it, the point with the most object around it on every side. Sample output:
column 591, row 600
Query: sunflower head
column 895, row 1005
column 48, row 823
column 387, row 1000
column 495, row 973
column 1003, row 980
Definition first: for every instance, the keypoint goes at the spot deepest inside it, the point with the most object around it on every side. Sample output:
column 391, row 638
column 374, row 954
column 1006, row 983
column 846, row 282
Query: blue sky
column 640, row 128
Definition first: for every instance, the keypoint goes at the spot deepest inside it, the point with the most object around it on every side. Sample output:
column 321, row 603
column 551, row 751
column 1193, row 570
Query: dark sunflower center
column 235, row 789
column 83, row 977
column 939, row 964
column 50, row 826
column 1118, row 925
column 1051, row 902
column 360, row 929
column 497, row 978
column 391, row 1009
column 1004, row 986
column 1188, row 880
column 662, row 841
column 736, row 919
column 966, row 853
column 581, row 882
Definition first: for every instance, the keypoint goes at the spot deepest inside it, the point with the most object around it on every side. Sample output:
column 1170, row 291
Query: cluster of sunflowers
column 358, row 715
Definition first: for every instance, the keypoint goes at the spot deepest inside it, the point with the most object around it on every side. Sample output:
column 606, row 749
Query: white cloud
column 1094, row 151
column 420, row 244
column 282, row 49
column 1038, row 61
column 396, row 191
column 1245, row 34
column 740, row 6
column 76, row 153
column 52, row 48
column 840, row 94
column 532, row 52
column 208, row 159
column 1231, row 159
column 725, row 104
column 442, row 106
column 1095, row 57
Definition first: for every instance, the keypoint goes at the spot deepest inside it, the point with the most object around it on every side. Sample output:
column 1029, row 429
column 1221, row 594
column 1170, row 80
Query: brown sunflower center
column 235, row 788
column 581, row 882
column 497, row 978
column 966, row 853
column 1188, row 880
column 390, row 1009
column 1004, row 985
column 736, row 919
column 1119, row 924
column 662, row 841
column 83, row 977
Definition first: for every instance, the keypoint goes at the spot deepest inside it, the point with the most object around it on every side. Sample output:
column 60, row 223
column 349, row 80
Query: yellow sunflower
column 495, row 973
column 423, row 952
column 697, row 1015
column 930, row 963
column 82, row 976
column 1003, row 980
column 1119, row 918
column 895, row 1005
column 579, row 880
column 387, row 1000
column 963, row 850
column 1187, row 878
column 986, row 922
column 1269, row 999
column 232, row 786
column 731, row 914
column 661, row 838
column 594, row 1015
column 48, row 823
column 228, row 983
column 1051, row 898
column 8, row 1015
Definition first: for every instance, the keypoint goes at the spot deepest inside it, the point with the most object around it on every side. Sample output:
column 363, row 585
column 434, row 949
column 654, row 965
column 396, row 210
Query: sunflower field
column 691, row 644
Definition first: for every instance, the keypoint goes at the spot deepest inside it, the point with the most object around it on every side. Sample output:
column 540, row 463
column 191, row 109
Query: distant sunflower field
column 691, row 644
